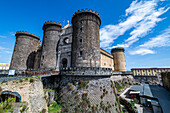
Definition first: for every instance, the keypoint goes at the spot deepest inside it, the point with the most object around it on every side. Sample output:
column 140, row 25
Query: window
column 81, row 53
column 81, row 40
column 81, row 29
column 104, row 64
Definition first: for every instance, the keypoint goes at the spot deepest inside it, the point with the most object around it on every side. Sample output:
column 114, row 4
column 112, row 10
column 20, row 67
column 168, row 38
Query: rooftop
column 149, row 68
column 156, row 92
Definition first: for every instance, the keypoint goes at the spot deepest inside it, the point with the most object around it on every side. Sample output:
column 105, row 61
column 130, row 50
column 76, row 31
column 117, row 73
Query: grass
column 54, row 108
column 49, row 90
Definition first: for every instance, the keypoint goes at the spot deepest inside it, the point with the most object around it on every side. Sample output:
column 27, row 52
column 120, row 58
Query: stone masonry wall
column 166, row 80
column 88, row 93
column 50, row 40
column 25, row 46
column 86, row 41
column 32, row 93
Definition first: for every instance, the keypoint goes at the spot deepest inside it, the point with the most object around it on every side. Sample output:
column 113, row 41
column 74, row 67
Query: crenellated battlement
column 86, row 11
column 52, row 23
column 27, row 33
column 86, row 71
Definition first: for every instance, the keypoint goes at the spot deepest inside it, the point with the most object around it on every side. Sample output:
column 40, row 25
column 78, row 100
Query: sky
column 142, row 27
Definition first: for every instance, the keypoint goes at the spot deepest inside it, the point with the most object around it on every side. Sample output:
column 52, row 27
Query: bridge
column 25, row 74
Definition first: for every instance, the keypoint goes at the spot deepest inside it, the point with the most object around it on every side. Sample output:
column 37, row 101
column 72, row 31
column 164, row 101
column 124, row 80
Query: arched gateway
column 64, row 62
column 9, row 94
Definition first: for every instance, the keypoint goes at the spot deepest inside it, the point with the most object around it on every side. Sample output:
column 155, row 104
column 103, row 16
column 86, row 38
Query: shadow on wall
column 30, row 60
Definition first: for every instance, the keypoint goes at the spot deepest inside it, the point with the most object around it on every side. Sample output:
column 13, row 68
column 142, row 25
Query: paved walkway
column 124, row 92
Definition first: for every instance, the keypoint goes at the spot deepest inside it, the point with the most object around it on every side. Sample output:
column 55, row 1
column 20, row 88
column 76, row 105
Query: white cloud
column 141, row 17
column 9, row 52
column 8, row 35
column 142, row 51
column 159, row 41
column 1, row 48
column 12, row 33
column 2, row 36
column 162, row 40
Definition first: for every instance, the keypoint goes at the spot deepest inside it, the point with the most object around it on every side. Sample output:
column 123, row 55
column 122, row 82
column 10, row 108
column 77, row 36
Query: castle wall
column 50, row 41
column 37, row 59
column 106, row 59
column 93, row 92
column 86, row 41
column 166, row 80
column 64, row 47
column 119, row 59
column 32, row 93
column 24, row 51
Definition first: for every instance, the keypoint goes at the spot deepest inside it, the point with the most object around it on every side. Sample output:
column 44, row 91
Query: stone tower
column 25, row 47
column 86, row 40
column 119, row 59
column 50, row 40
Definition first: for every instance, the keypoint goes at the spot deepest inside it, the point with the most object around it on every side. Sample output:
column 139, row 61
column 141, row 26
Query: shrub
column 26, row 78
column 24, row 108
column 82, row 84
column 49, row 90
column 70, row 86
column 7, row 106
column 54, row 108
column 75, row 83
column 38, row 77
column 31, row 80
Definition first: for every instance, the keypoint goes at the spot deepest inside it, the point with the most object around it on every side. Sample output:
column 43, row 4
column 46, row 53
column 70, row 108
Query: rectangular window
column 81, row 53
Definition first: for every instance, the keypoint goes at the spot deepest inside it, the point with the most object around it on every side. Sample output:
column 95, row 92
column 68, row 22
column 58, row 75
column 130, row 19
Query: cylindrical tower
column 23, row 55
column 119, row 59
column 86, row 40
column 50, row 40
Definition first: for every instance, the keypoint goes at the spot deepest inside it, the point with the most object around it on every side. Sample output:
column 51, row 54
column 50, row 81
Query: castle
column 76, row 45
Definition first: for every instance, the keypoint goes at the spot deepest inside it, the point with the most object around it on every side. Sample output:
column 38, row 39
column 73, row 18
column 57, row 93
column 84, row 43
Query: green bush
column 75, row 83
column 26, row 78
column 24, row 108
column 38, row 77
column 54, row 108
column 31, row 80
column 118, row 87
column 70, row 86
column 83, row 84
column 7, row 106
column 49, row 90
